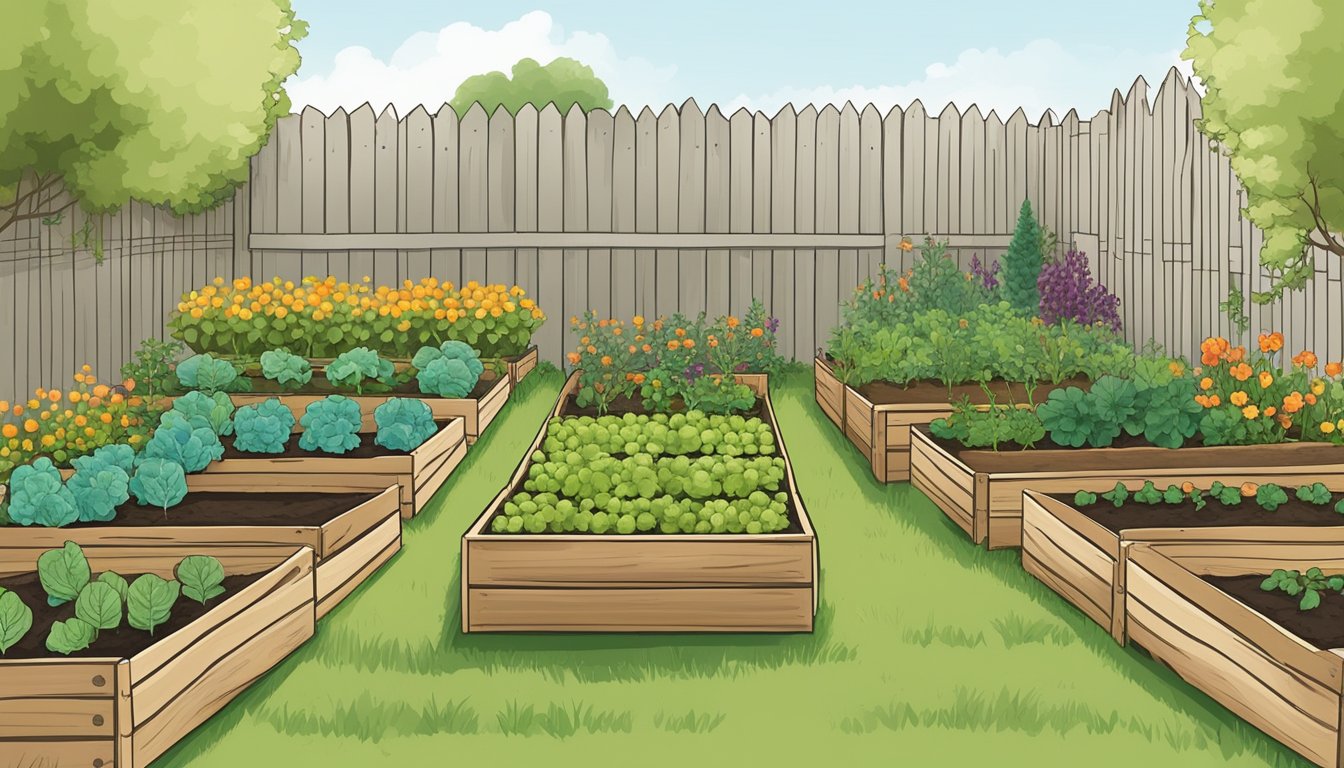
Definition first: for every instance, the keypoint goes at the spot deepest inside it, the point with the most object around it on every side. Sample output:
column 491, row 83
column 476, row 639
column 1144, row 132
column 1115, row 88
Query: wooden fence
column 680, row 210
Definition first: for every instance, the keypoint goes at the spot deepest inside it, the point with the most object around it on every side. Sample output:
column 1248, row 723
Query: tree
column 163, row 102
column 564, row 81
column 1275, row 101
column 1022, row 263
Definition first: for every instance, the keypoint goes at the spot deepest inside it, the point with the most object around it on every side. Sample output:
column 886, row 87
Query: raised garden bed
column 1082, row 552
column 521, row 365
column 351, row 534
column 981, row 490
column 1202, row 614
column 126, row 706
column 655, row 582
column 367, row 469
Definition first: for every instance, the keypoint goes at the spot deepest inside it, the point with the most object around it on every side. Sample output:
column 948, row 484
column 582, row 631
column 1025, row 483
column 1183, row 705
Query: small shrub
column 1022, row 263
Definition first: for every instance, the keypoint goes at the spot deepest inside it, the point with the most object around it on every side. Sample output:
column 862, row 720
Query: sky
column 1034, row 54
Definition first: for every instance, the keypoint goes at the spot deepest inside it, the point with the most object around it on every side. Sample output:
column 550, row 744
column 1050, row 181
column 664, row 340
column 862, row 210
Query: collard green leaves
column 286, row 369
column 63, row 573
column 263, row 428
column 39, row 497
column 70, row 635
column 15, row 619
column 331, row 425
column 149, row 601
column 99, row 605
column 159, row 482
column 403, row 423
column 200, row 577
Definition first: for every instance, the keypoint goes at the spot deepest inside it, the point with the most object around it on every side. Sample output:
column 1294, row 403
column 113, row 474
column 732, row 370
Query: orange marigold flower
column 1238, row 398
column 1271, row 342
column 1327, row 427
column 1203, row 400
column 757, row 332
column 606, row 359
column 688, row 343
column 1306, row 358
column 680, row 332
column 1250, row 412
column 592, row 350
column 1176, row 368
column 1206, row 383
column 1213, row 349
column 639, row 378
column 733, row 322
column 672, row 344
column 1249, row 489
column 904, row 284
column 639, row 319
column 1334, row 369
column 1215, row 401
column 647, row 348
column 1187, row 487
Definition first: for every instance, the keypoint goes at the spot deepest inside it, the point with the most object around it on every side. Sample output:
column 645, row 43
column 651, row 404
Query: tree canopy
column 1275, row 101
column 564, row 81
column 163, row 101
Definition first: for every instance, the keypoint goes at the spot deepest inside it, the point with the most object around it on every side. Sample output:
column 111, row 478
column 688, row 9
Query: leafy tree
column 1022, row 263
column 158, row 101
column 564, row 81
column 1275, row 101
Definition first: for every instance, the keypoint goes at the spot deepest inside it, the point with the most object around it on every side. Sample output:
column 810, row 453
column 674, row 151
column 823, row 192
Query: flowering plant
column 1068, row 292
column 1249, row 398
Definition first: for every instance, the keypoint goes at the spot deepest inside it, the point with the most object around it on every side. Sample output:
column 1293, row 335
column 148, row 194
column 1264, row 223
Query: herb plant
column 265, row 427
column 286, row 369
column 331, row 425
column 1309, row 585
column 991, row 427
column 1117, row 495
column 151, row 366
column 403, row 424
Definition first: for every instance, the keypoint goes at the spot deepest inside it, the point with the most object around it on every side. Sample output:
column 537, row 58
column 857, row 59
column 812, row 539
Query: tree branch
column 1331, row 244
column 35, row 214
column 34, row 199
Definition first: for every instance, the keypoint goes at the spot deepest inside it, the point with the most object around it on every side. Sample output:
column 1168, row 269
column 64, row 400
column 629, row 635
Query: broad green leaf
column 69, row 636
column 99, row 605
column 1310, row 599
column 149, row 601
column 201, row 577
column 15, row 619
column 116, row 581
column 63, row 573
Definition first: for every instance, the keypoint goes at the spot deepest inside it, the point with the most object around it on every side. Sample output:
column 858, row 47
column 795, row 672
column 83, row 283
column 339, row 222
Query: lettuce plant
column 63, row 573
column 331, row 425
column 201, row 577
column 216, row 410
column 159, row 482
column 448, row 370
column 188, row 441
column 286, row 369
column 15, row 619
column 263, row 428
column 403, row 424
column 118, row 455
column 351, row 370
column 149, row 601
column 210, row 375
column 37, row 496
column 99, row 487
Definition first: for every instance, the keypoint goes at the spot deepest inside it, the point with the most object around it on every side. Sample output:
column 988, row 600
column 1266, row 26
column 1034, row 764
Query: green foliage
column 37, row 496
column 1196, row 497
column 116, row 581
column 201, row 578
column 216, row 410
column 15, row 619
column 188, row 441
column 331, row 425
column 358, row 368
column 149, row 601
column 265, row 427
column 1148, row 494
column 989, row 428
column 117, row 455
column 1166, row 416
column 63, row 573
column 1234, row 309
column 288, row 370
column 660, row 434
column 159, row 482
column 120, row 102
column 99, row 605
column 1316, row 493
column 1309, row 585
column 1173, row 494
column 1270, row 496
column 936, row 282
column 1227, row 495
column 564, row 82
column 1094, row 418
column 210, row 375
column 1084, row 498
column 1022, row 263
column 448, row 370
column 1117, row 495
column 98, row 487
column 718, row 395
column 69, row 636
column 403, row 424
column 1275, row 101
column 151, row 367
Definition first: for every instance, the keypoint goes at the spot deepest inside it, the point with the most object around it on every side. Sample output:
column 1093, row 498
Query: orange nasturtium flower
column 1238, row 398
column 1334, row 369
column 1327, row 427
column 573, row 358
column 1271, row 342
column 1249, row 489
column 1266, row 379
column 1292, row 403
column 1306, row 358
column 1212, row 350
column 906, row 245
column 1206, row 383
column 1250, row 412
column 757, row 332
column 1240, row 371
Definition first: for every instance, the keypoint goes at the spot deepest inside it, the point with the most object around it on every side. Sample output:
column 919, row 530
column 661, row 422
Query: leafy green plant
column 1173, row 495
column 1316, row 493
column 265, row 427
column 117, row 455
column 159, row 482
column 98, row 487
column 1309, row 585
column 403, row 424
column 286, row 369
column 1166, row 416
column 358, row 368
column 15, row 619
column 1084, row 498
column 1075, row 418
column 210, row 375
column 63, row 573
column 115, row 581
column 331, row 425
column 189, row 442
column 37, row 496
column 715, row 394
column 215, row 410
column 1227, row 495
column 1022, row 263
column 201, row 578
column 991, row 427
column 1117, row 495
column 99, row 606
column 451, row 369
column 71, row 635
column 1148, row 494
column 151, row 367
column 1270, row 496
column 149, row 601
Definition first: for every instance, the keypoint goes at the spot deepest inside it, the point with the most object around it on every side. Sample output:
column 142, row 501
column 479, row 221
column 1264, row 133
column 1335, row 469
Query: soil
column 207, row 508
column 123, row 642
column 320, row 386
column 1184, row 515
column 932, row 391
column 1135, row 453
column 1322, row 626
column 623, row 405
column 367, row 449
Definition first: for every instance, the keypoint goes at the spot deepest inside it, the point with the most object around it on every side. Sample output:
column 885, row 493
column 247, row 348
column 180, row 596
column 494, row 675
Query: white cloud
column 428, row 66
column 1041, row 75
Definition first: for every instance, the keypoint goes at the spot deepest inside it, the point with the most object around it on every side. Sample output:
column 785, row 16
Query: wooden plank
column 473, row 187
column 761, row 283
column 795, row 336
column 418, row 197
column 870, row 186
column 727, row 609
column 525, row 195
column 340, row 575
column 666, row 278
column 717, row 200
column 691, row 264
column 337, row 150
column 576, row 300
column 624, row 287
column 893, row 126
column 504, row 561
column 550, row 218
column 500, row 264
column 599, row 172
column 313, row 186
column 806, row 268
column 386, row 183
column 446, row 263
column 646, row 209
column 828, row 270
column 741, row 156
column 363, row 178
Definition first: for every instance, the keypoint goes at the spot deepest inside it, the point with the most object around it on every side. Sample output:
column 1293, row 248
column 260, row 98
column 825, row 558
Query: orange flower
column 9, row 430
column 30, row 426
column 1310, row 398
column 1206, row 383
column 733, row 322
column 1285, row 421
column 904, row 284
column 1334, row 369
column 680, row 332
column 647, row 348
column 1215, row 401
column 606, row 359
column 1203, row 401
column 1271, row 342
column 1249, row 489
column 1266, row 379
column 1238, row 398
column 592, row 350
column 1250, row 412
column 906, row 245
column 1270, row 411
column 1187, row 487
column 1176, row 368
column 1291, row 404
column 757, row 332
column 688, row 343
column 1327, row 427
column 573, row 358
column 638, row 378
column 1240, row 371
column 1306, row 358
column 1213, row 349
column 1236, row 354
column 673, row 344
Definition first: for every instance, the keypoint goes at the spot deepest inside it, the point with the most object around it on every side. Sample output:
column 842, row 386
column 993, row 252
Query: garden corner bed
column 640, row 582
column 981, row 490
column 1081, row 551
column 128, row 706
column 1206, row 617
column 521, row 365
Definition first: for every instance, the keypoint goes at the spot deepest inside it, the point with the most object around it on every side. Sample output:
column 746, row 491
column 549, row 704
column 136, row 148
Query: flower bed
column 981, row 490
column 126, row 709
column 639, row 582
column 1208, row 618
column 1080, row 550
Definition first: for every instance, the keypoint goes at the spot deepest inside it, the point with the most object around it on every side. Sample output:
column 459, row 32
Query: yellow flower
column 1250, row 412
column 1327, row 427
column 1238, row 398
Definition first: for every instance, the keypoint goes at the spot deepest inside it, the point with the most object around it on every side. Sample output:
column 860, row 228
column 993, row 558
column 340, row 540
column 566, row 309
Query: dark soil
column 623, row 405
column 932, row 391
column 1162, row 515
column 205, row 508
column 1136, row 453
column 320, row 386
column 367, row 449
column 122, row 642
column 1322, row 626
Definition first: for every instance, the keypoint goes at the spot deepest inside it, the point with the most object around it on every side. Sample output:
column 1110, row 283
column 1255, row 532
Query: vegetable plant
column 359, row 368
column 1084, row 498
column 63, row 573
column 265, row 427
column 1309, row 585
column 1117, row 495
column 1148, row 494
column 989, row 428
column 210, row 375
column 403, row 424
column 215, row 410
column 331, row 425
column 1022, row 263
column 451, row 369
column 286, row 369
column 159, row 482
column 149, row 601
column 98, row 486
column 16, row 619
column 152, row 366
column 188, row 441
column 37, row 496
column 1270, row 496
column 201, row 578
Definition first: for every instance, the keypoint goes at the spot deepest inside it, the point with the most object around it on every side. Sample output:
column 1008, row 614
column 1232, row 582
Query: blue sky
column 759, row 55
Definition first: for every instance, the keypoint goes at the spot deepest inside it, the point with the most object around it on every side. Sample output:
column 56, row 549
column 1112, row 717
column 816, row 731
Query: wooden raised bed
column 125, row 712
column 348, row 548
column 521, row 365
column 1085, row 562
column 981, row 490
column 476, row 412
column 419, row 473
column 638, row 582
column 1249, row 663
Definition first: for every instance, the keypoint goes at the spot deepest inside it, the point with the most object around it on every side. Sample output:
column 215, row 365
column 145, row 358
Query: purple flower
column 772, row 324
column 988, row 276
column 1068, row 292
column 740, row 367
column 694, row 372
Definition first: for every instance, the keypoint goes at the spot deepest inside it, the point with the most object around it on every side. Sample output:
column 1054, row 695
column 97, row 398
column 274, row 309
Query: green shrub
column 1022, row 263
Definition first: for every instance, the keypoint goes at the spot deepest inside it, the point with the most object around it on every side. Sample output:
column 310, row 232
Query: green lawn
column 927, row 651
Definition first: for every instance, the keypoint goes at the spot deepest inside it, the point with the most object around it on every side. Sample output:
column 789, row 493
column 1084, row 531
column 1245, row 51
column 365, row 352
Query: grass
column 927, row 650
